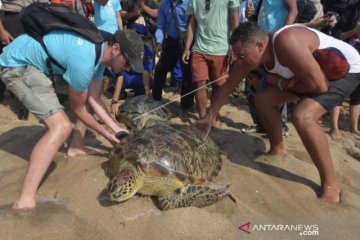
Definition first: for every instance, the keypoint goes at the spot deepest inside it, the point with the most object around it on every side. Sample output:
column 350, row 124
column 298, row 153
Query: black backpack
column 40, row 18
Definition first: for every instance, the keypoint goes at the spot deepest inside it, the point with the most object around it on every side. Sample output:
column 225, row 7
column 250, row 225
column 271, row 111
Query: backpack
column 38, row 19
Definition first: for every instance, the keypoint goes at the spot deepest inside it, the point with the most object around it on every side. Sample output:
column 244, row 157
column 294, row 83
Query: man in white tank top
column 288, row 54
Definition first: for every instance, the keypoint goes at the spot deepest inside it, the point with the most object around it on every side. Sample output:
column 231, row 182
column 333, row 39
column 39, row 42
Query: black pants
column 170, row 55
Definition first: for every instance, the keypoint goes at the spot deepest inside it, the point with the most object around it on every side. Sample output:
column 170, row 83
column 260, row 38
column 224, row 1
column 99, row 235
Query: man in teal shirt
column 24, row 72
column 210, row 30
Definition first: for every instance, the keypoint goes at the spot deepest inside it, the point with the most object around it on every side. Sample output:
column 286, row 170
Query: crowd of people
column 271, row 44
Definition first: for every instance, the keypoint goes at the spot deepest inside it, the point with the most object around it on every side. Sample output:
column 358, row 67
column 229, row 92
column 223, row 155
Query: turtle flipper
column 194, row 196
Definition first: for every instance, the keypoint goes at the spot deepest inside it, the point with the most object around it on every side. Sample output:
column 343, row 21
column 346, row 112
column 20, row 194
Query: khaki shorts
column 206, row 67
column 33, row 88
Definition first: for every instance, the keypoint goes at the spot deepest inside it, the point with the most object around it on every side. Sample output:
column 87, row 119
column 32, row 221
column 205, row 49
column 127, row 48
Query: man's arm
column 234, row 17
column 148, row 10
column 78, row 102
column 119, row 20
column 238, row 73
column 191, row 29
column 294, row 47
column 5, row 36
column 292, row 11
column 99, row 107
column 134, row 13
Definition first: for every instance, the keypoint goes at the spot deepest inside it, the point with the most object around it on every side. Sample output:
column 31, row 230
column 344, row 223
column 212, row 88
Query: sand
column 276, row 196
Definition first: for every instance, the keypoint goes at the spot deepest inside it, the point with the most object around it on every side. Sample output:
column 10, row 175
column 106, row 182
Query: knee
column 299, row 118
column 63, row 129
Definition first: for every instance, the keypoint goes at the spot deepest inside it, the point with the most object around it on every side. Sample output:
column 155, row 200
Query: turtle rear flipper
column 194, row 196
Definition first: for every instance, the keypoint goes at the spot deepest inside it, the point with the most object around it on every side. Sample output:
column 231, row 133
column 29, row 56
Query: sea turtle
column 172, row 162
column 136, row 112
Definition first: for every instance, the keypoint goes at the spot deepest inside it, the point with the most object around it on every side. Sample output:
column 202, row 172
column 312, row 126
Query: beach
column 276, row 196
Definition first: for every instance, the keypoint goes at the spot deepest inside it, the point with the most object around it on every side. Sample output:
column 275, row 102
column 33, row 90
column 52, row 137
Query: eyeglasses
column 207, row 5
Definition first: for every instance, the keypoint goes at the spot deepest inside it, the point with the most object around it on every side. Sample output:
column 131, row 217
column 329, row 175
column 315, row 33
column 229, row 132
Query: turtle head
column 124, row 184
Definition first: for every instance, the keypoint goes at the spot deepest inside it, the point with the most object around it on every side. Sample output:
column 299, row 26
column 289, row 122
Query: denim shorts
column 33, row 88
column 338, row 90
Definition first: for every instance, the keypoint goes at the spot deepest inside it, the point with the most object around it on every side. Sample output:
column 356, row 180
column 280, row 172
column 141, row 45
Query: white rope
column 163, row 105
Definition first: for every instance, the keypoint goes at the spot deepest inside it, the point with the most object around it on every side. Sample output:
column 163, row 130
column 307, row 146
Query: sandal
column 252, row 129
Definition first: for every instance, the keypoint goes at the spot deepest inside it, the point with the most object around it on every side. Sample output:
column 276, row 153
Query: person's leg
column 354, row 119
column 146, row 82
column 305, row 118
column 166, row 63
column 334, row 131
column 187, row 86
column 269, row 114
column 201, row 98
column 58, row 129
column 355, row 110
column 77, row 146
column 200, row 74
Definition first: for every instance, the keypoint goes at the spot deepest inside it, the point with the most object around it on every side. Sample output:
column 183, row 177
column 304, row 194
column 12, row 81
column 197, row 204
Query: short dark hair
column 247, row 33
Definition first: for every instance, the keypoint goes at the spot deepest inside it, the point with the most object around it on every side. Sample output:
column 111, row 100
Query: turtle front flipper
column 194, row 196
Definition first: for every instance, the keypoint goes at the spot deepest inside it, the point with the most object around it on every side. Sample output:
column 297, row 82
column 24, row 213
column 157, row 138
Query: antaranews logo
column 301, row 229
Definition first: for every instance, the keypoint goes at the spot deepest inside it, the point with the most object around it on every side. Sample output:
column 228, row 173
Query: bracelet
column 113, row 101
column 279, row 84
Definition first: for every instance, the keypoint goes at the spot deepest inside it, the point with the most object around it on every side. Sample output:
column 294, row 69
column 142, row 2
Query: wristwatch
column 113, row 101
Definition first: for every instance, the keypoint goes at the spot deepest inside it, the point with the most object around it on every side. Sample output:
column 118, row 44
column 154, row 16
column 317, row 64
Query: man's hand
column 186, row 56
column 205, row 123
column 158, row 49
column 249, row 11
column 114, row 108
column 5, row 37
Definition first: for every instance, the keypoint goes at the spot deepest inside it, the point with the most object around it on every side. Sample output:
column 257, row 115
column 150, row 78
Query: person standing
column 209, row 28
column 172, row 23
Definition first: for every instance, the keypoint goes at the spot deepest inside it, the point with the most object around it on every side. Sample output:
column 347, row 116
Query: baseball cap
column 333, row 62
column 132, row 46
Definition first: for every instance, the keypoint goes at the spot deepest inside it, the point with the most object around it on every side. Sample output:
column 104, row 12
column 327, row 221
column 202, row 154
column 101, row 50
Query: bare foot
column 279, row 150
column 24, row 204
column 335, row 135
column 78, row 151
column 331, row 194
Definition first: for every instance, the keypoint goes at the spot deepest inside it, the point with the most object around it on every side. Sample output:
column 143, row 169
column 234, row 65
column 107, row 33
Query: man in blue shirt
column 24, row 72
column 170, row 48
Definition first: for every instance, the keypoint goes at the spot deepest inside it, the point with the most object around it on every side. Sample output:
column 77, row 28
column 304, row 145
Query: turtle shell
column 136, row 111
column 170, row 151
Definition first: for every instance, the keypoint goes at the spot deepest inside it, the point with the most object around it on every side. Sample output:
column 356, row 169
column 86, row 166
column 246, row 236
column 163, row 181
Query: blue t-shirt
column 105, row 16
column 272, row 15
column 75, row 54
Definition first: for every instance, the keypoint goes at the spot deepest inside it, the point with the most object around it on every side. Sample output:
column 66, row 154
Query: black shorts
column 338, row 90
column 355, row 96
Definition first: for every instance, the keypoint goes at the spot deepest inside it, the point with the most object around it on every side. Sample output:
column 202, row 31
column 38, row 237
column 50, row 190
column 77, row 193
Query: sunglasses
column 207, row 5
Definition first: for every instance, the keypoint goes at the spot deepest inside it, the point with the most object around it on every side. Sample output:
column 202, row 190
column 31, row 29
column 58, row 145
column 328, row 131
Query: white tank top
column 350, row 53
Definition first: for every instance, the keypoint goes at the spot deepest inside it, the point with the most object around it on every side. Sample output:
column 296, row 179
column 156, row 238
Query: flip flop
column 251, row 130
